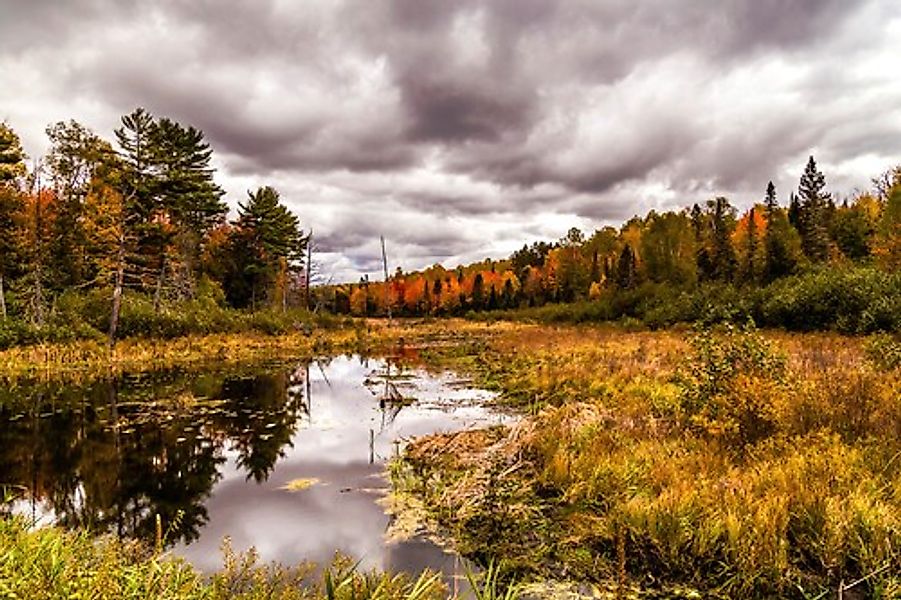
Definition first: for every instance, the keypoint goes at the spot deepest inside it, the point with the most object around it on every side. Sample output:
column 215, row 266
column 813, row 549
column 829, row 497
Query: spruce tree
column 794, row 211
column 778, row 261
column 723, row 259
column 12, row 166
column 750, row 266
column 267, row 240
column 626, row 277
column 813, row 202
column 12, row 157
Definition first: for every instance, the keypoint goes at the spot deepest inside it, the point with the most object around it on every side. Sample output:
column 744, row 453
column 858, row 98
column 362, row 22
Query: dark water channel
column 288, row 459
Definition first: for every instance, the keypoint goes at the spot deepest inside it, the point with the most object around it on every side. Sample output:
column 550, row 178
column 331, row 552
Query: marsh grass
column 739, row 463
column 50, row 563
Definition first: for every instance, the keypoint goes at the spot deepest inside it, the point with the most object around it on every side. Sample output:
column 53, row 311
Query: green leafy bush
column 730, row 385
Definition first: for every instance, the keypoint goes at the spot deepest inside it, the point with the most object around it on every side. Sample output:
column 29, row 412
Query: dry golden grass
column 782, row 482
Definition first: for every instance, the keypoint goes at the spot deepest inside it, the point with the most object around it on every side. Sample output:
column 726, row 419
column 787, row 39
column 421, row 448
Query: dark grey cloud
column 451, row 126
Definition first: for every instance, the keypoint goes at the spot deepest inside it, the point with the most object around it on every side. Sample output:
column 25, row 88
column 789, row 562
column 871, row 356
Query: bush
column 884, row 351
column 852, row 300
column 730, row 384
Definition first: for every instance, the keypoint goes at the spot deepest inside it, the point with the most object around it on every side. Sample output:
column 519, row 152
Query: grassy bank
column 91, row 358
column 740, row 464
column 49, row 563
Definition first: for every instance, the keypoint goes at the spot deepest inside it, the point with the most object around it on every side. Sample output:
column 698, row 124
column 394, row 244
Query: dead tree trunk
column 117, row 291
column 158, row 293
column 309, row 277
column 2, row 299
column 387, row 283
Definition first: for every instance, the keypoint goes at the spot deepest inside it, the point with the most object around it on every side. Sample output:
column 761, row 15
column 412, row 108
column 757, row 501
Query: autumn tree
column 75, row 155
column 888, row 240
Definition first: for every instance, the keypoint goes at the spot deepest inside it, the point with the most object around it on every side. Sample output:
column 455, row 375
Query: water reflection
column 212, row 452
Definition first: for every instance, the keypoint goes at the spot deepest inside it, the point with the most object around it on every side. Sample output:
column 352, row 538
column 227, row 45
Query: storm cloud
column 460, row 130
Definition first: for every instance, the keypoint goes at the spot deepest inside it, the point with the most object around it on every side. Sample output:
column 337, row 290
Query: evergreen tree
column 12, row 167
column 750, row 267
column 778, row 261
column 188, row 197
column 626, row 275
column 267, row 242
column 703, row 261
column 508, row 295
column 186, row 188
column 794, row 211
column 813, row 202
column 478, row 292
column 770, row 199
column 12, row 157
column 723, row 255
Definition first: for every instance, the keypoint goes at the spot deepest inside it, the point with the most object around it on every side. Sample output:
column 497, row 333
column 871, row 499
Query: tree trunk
column 117, row 292
column 157, row 294
column 2, row 299
column 309, row 269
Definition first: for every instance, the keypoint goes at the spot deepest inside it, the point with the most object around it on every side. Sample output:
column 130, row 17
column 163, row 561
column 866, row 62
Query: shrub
column 852, row 300
column 884, row 351
column 730, row 385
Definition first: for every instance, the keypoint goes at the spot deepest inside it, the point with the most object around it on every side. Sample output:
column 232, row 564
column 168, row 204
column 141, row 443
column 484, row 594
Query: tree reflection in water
column 113, row 454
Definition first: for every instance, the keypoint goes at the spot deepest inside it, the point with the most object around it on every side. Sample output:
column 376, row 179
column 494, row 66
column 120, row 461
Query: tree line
column 143, row 215
column 710, row 243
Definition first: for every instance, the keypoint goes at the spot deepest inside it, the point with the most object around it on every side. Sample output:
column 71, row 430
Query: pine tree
column 750, row 267
column 12, row 167
column 813, row 213
column 794, row 211
column 188, row 197
column 12, row 157
column 770, row 200
column 267, row 242
column 626, row 277
column 778, row 261
column 723, row 259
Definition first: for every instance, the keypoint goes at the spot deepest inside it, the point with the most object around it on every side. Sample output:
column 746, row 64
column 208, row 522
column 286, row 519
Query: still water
column 215, row 453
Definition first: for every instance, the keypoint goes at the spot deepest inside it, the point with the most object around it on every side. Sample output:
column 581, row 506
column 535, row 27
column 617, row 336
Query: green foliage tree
column 668, row 249
column 722, row 221
column 12, row 157
column 626, row 269
column 779, row 260
column 12, row 167
column 267, row 241
column 172, row 199
column 853, row 232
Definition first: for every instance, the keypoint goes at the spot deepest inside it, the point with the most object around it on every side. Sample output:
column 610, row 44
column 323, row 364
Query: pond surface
column 289, row 460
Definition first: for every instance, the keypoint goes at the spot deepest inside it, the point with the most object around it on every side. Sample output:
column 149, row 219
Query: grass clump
column 49, row 563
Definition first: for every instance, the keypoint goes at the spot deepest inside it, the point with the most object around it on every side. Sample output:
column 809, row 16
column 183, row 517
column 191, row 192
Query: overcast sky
column 460, row 129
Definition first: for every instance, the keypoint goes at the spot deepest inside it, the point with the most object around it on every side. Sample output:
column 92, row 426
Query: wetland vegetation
column 159, row 364
column 732, row 462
